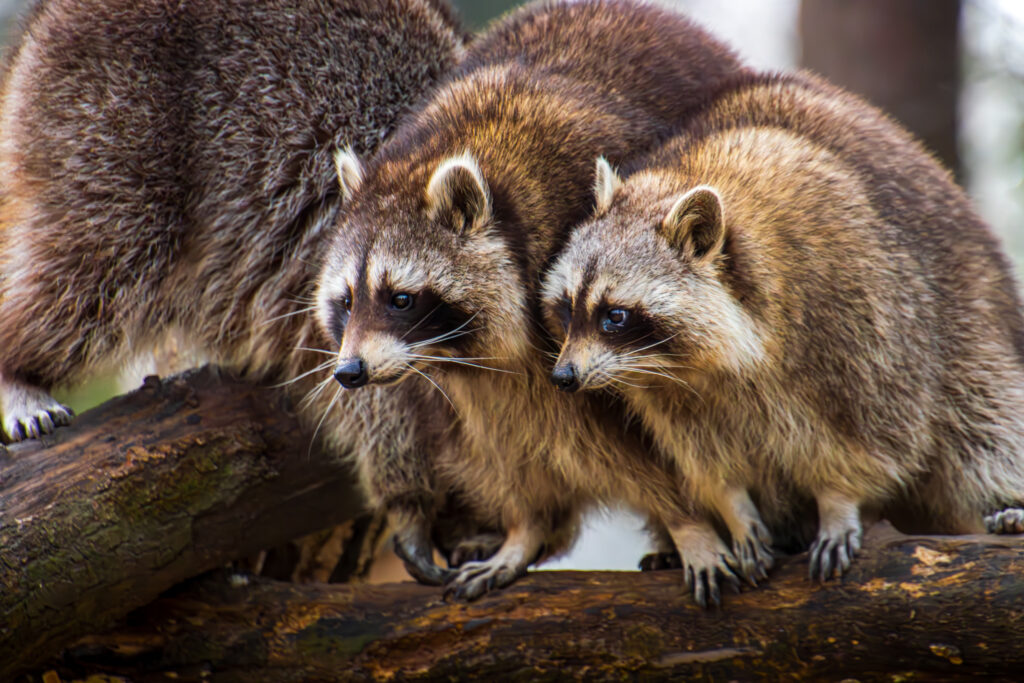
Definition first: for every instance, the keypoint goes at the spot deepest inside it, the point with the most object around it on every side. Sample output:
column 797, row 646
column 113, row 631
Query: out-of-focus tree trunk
column 902, row 55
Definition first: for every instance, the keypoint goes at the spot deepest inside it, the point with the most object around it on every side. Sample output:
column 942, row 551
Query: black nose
column 351, row 373
column 565, row 378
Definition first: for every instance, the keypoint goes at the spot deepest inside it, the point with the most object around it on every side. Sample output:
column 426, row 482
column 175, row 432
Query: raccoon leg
column 413, row 545
column 1008, row 521
column 839, row 535
column 523, row 544
column 704, row 558
column 665, row 555
column 751, row 540
column 28, row 412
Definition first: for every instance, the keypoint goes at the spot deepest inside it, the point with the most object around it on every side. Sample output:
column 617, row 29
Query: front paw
column 833, row 551
column 753, row 553
column 1008, row 521
column 29, row 412
column 705, row 560
column 473, row 579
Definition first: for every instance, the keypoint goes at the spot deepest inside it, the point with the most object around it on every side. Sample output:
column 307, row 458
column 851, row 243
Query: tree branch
column 912, row 608
column 145, row 491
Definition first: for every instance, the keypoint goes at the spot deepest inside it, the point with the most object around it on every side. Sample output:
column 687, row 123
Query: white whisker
column 436, row 385
column 320, row 368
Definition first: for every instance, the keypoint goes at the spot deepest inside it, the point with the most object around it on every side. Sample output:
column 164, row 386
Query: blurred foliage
column 476, row 13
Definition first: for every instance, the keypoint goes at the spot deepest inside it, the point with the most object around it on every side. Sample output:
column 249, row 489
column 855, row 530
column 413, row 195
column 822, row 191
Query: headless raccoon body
column 435, row 268
column 169, row 166
column 793, row 290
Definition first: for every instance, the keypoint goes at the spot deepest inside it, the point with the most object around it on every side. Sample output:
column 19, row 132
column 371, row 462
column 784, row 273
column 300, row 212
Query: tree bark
column 911, row 608
column 145, row 491
column 902, row 55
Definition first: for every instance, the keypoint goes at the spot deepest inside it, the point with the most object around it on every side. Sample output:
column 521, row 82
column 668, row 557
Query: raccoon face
column 415, row 282
column 636, row 295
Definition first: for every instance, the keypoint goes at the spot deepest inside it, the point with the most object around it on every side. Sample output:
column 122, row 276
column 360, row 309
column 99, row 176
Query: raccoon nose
column 565, row 378
column 351, row 373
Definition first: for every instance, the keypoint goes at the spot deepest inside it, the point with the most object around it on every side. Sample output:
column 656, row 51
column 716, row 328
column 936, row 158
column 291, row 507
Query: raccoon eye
column 615, row 320
column 401, row 301
column 346, row 302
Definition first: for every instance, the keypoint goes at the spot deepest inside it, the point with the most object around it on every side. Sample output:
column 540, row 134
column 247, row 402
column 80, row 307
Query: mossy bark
column 912, row 608
column 143, row 492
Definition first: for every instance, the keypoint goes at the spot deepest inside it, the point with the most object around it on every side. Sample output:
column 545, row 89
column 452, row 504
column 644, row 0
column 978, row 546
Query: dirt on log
column 143, row 492
column 912, row 608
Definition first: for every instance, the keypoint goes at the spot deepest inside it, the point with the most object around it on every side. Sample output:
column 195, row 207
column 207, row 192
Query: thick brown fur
column 169, row 167
column 436, row 265
column 793, row 290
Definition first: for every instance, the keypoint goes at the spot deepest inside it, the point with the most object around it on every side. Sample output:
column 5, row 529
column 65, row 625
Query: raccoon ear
column 350, row 172
column 458, row 194
column 606, row 183
column 695, row 222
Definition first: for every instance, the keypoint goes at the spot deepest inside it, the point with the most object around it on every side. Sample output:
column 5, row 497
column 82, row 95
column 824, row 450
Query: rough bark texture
column 912, row 608
column 902, row 55
column 143, row 492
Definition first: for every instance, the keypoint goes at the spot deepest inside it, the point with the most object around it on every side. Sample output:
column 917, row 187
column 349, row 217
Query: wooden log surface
column 911, row 609
column 147, row 490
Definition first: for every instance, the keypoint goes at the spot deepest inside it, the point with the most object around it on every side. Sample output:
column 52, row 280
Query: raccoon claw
column 29, row 413
column 1008, row 521
column 832, row 554
column 703, row 581
column 473, row 579
column 475, row 549
column 420, row 564
column 753, row 554
column 661, row 560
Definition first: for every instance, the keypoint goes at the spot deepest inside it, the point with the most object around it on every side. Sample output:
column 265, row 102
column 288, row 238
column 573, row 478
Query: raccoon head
column 416, row 279
column 637, row 294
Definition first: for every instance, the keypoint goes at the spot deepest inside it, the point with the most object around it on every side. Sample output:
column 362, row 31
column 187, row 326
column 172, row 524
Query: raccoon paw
column 420, row 564
column 29, row 412
column 705, row 559
column 475, row 549
column 652, row 562
column 753, row 552
column 833, row 551
column 1008, row 521
column 473, row 579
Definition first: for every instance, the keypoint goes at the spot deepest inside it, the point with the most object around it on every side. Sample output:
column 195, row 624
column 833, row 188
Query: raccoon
column 170, row 166
column 435, row 267
column 793, row 290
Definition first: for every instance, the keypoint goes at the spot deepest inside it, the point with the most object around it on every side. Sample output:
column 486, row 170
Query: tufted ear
column 350, row 172
column 458, row 195
column 606, row 183
column 695, row 223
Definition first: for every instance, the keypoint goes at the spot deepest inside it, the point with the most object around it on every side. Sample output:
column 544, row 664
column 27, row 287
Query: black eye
column 615, row 320
column 401, row 301
column 346, row 302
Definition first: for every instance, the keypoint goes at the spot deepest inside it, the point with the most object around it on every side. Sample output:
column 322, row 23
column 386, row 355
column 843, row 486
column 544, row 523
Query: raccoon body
column 436, row 265
column 169, row 166
column 817, row 304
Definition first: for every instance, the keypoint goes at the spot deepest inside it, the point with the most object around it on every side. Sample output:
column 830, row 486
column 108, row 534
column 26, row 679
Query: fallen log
column 912, row 608
column 147, row 490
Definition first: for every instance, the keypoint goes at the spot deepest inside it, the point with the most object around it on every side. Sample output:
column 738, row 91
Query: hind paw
column 652, row 562
column 475, row 549
column 1008, row 521
column 29, row 412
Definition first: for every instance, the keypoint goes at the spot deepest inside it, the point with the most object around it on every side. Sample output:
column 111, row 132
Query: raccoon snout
column 351, row 373
column 565, row 377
